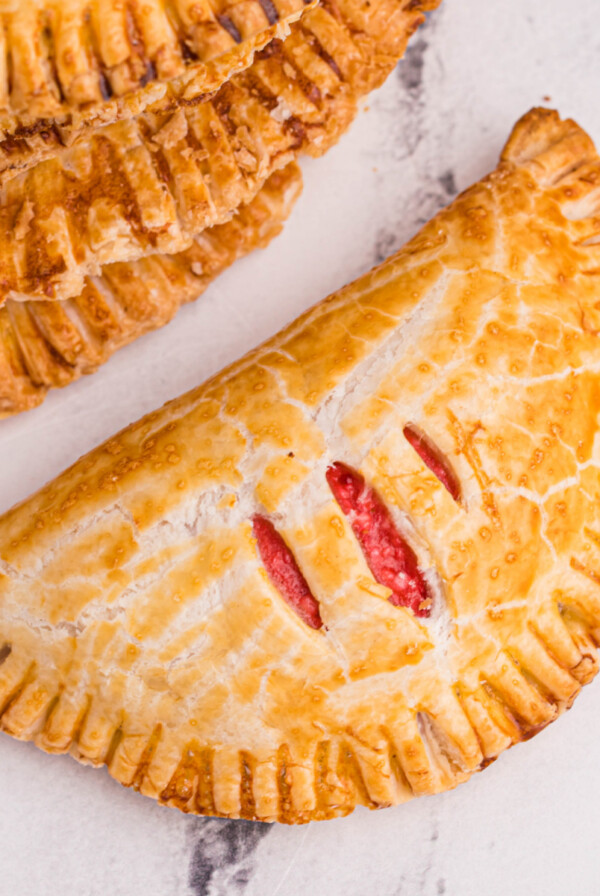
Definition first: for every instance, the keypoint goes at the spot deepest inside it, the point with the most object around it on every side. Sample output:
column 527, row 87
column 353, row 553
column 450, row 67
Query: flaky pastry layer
column 149, row 184
column 70, row 66
column 51, row 344
column 197, row 605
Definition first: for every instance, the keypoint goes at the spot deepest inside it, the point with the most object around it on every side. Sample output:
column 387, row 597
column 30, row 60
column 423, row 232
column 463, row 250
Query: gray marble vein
column 222, row 855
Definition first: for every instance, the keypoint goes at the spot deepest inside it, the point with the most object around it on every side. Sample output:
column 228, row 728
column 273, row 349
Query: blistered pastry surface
column 298, row 97
column 70, row 66
column 142, row 630
column 51, row 344
column 149, row 184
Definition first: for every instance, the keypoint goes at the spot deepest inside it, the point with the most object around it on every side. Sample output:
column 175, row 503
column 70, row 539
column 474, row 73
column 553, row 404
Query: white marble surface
column 528, row 825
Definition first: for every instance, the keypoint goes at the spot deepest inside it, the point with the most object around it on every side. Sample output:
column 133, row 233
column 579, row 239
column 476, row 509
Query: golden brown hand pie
column 68, row 66
column 45, row 344
column 360, row 563
column 149, row 184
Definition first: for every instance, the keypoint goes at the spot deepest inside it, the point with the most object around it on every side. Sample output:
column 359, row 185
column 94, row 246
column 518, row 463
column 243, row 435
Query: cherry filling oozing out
column 434, row 459
column 284, row 572
column 389, row 557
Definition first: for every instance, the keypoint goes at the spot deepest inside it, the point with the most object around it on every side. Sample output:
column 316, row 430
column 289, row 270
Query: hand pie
column 46, row 344
column 149, row 184
column 360, row 563
column 69, row 66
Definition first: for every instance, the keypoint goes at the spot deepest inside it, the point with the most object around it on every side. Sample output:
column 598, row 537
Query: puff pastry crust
column 197, row 603
column 148, row 185
column 50, row 344
column 43, row 344
column 68, row 66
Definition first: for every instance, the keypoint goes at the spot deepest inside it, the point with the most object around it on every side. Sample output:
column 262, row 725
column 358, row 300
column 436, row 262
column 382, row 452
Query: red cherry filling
column 284, row 572
column 390, row 558
column 434, row 459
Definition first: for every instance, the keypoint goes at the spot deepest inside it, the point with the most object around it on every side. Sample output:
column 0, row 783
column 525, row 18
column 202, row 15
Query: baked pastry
column 48, row 344
column 149, row 184
column 360, row 563
column 69, row 66
column 45, row 344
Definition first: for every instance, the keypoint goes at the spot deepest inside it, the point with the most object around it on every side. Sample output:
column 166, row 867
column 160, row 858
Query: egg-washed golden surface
column 44, row 344
column 69, row 66
column 147, row 185
column 51, row 344
column 139, row 627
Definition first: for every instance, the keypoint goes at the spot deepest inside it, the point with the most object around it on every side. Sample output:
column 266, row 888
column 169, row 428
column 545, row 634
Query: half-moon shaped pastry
column 149, row 184
column 70, row 66
column 49, row 344
column 360, row 563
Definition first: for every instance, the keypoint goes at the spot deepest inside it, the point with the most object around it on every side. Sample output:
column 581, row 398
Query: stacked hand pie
column 147, row 145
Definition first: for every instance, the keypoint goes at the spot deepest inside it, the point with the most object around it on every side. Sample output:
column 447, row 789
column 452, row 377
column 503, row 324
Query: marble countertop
column 531, row 823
